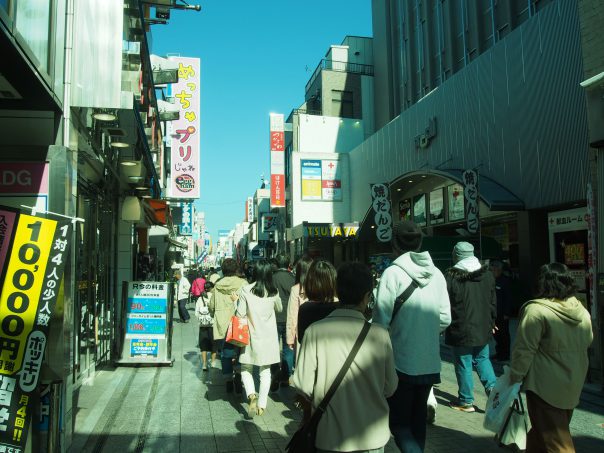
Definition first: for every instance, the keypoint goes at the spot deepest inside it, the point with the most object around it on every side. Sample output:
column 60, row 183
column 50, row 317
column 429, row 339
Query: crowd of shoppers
column 303, row 323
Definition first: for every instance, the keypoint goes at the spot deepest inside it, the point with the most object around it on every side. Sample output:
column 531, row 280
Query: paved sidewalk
column 182, row 409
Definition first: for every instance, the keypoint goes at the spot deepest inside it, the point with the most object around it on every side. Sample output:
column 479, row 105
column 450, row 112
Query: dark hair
column 555, row 281
column 302, row 267
column 229, row 267
column 282, row 261
column 263, row 276
column 320, row 282
column 353, row 282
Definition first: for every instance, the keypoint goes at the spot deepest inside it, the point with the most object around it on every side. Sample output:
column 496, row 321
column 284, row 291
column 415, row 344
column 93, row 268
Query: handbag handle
column 336, row 383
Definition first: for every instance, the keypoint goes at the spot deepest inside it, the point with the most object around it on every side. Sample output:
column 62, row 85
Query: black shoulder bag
column 400, row 300
column 303, row 440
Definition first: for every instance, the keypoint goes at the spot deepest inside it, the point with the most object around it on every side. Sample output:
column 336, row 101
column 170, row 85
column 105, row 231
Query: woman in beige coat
column 356, row 418
column 259, row 302
column 550, row 358
column 296, row 298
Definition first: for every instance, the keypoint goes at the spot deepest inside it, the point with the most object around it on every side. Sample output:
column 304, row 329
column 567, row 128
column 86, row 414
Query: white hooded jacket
column 416, row 328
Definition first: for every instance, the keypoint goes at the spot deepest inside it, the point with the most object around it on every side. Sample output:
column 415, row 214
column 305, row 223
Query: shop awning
column 493, row 194
column 178, row 244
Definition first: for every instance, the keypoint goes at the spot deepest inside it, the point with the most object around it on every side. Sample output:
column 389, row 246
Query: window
column 342, row 104
column 33, row 24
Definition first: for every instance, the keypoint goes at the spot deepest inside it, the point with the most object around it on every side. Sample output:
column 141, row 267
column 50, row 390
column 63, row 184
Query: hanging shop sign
column 185, row 149
column 270, row 222
column 455, row 203
column 24, row 183
column 33, row 252
column 437, row 207
column 380, row 201
column 146, row 323
column 470, row 194
column 321, row 180
column 185, row 227
column 323, row 230
column 277, row 149
column 592, row 234
column 249, row 208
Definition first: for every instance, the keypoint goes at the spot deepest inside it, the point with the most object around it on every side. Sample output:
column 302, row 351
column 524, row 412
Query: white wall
column 320, row 211
column 329, row 134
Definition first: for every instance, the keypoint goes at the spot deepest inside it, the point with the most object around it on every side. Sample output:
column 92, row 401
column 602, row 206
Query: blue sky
column 256, row 57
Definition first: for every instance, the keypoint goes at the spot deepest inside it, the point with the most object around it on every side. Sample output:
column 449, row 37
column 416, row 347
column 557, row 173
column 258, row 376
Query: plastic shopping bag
column 515, row 429
column 500, row 402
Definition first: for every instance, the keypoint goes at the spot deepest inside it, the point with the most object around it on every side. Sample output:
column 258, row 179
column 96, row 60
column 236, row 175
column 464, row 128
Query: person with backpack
column 412, row 302
column 198, row 285
column 206, row 334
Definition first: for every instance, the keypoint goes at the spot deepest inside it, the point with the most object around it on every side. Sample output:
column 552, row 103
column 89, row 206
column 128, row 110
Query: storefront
column 335, row 242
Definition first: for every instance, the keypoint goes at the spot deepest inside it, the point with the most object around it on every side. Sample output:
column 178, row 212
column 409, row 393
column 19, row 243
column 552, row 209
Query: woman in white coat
column 259, row 302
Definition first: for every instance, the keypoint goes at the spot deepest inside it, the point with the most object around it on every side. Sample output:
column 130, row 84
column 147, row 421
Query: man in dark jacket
column 473, row 300
column 504, row 309
column 283, row 280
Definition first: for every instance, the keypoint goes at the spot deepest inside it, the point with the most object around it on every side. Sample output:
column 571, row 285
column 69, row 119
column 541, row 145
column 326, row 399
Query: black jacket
column 473, row 306
column 283, row 280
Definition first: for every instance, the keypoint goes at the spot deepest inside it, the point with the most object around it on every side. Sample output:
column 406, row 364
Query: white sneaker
column 216, row 364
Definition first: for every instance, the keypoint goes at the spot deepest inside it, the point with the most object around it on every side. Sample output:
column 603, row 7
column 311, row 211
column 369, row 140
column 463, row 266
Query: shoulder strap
column 400, row 300
column 336, row 383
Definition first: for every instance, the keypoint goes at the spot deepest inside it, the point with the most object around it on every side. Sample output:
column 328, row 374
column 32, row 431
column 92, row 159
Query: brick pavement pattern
column 183, row 409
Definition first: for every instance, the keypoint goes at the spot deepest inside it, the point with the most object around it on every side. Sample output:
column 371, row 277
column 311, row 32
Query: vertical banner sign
column 470, row 193
column 185, row 228
column 380, row 196
column 33, row 252
column 185, row 149
column 592, row 234
column 277, row 147
column 250, row 209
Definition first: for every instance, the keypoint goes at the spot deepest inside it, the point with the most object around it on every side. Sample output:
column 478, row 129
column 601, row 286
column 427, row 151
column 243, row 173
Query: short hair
column 229, row 267
column 353, row 282
column 282, row 261
column 320, row 282
column 555, row 281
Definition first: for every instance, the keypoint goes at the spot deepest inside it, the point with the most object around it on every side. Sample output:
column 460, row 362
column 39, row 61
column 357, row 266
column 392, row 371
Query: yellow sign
column 327, row 231
column 22, row 289
column 311, row 189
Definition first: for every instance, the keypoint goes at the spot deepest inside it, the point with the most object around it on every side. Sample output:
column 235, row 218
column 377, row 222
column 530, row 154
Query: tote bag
column 500, row 401
column 515, row 429
column 238, row 332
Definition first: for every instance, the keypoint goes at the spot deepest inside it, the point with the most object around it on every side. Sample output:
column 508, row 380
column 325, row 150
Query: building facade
column 480, row 87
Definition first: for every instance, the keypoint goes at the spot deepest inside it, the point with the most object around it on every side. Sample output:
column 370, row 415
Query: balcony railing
column 340, row 66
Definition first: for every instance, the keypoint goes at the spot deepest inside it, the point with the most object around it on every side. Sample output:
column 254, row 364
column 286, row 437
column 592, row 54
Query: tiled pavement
column 182, row 409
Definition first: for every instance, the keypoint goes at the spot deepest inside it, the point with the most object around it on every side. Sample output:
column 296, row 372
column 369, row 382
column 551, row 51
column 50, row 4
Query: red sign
column 277, row 190
column 335, row 184
column 24, row 177
column 277, row 141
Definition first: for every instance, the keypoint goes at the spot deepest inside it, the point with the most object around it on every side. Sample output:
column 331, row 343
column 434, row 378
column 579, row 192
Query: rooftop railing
column 340, row 66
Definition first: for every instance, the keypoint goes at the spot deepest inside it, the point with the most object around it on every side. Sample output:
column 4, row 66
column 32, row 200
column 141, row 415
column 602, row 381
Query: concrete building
column 479, row 86
column 337, row 116
column 79, row 114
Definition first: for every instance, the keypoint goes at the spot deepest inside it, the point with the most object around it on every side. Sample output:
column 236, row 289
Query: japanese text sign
column 185, row 228
column 277, row 149
column 30, row 278
column 185, row 150
column 470, row 193
column 380, row 196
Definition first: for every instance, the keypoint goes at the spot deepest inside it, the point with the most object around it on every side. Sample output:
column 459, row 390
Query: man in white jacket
column 414, row 331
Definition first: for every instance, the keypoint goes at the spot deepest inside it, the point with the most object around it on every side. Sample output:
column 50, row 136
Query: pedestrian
column 550, row 358
column 222, row 308
column 283, row 280
column 504, row 310
column 198, row 285
column 356, row 418
column 473, row 301
column 207, row 344
column 320, row 290
column 415, row 329
column 258, row 302
column 182, row 296
column 214, row 275
column 297, row 297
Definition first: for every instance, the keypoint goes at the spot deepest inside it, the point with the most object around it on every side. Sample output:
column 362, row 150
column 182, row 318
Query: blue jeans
column 466, row 357
column 284, row 370
column 408, row 407
column 229, row 352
